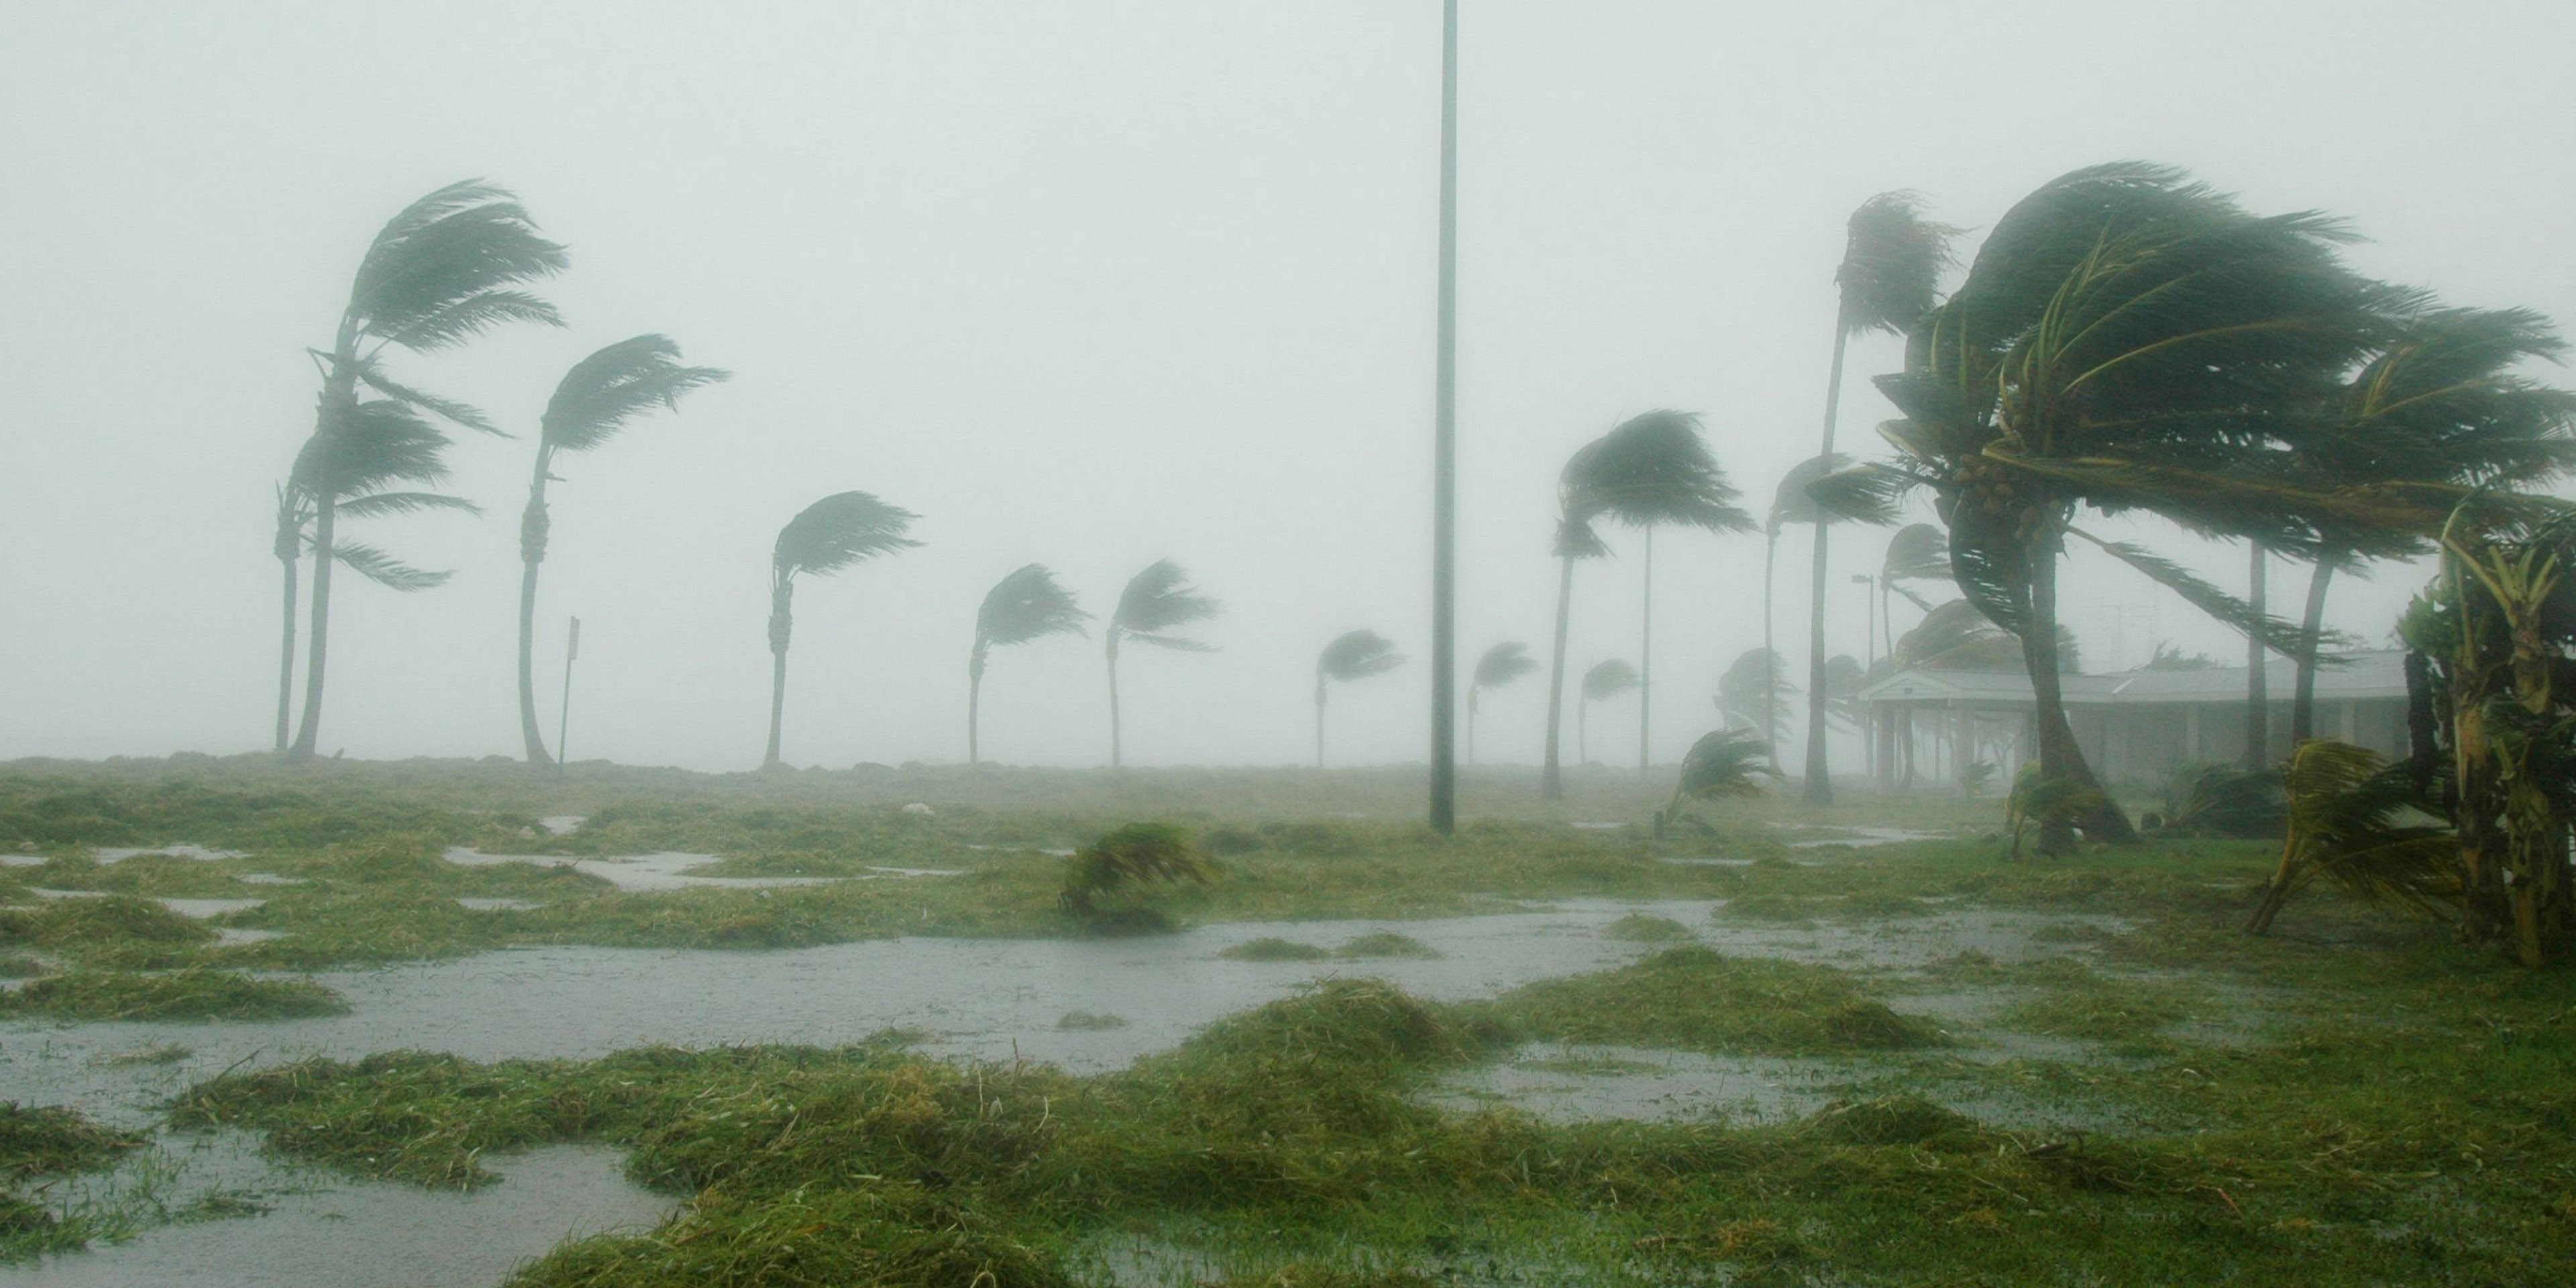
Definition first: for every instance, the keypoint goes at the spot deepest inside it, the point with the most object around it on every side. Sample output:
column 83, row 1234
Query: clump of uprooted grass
column 117, row 930
column 1089, row 1022
column 1698, row 999
column 194, row 994
column 2096, row 1008
column 1385, row 943
column 883, row 1235
column 1108, row 882
column 52, row 1140
column 1646, row 928
column 1270, row 948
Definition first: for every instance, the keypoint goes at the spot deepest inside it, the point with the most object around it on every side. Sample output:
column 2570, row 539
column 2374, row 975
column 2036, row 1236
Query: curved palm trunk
column 1114, row 761
column 1319, row 722
column 289, row 541
column 779, row 625
column 2059, row 755
column 533, row 528
column 325, row 528
column 1551, row 778
column 2258, row 685
column 974, row 702
column 1820, row 783
column 1646, row 653
column 2303, row 701
column 1770, row 657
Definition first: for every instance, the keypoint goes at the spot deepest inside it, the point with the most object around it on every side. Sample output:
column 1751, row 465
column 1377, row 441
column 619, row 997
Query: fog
column 1089, row 285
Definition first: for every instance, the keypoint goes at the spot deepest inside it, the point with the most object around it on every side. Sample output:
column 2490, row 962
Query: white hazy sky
column 1089, row 284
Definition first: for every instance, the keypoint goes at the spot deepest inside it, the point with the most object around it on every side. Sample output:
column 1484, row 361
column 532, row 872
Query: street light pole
column 1444, row 468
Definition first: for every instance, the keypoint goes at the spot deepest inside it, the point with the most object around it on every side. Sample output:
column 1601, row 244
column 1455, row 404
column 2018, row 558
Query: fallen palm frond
column 1126, row 862
column 2043, row 801
column 2224, row 801
column 2346, row 811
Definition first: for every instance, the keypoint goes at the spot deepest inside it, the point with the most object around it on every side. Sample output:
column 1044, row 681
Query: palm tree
column 1918, row 552
column 1026, row 604
column 825, row 537
column 1607, row 679
column 1748, row 693
column 2440, row 401
column 1157, row 602
column 1652, row 468
column 2127, row 340
column 1790, row 503
column 384, row 444
column 1892, row 262
column 439, row 274
column 1501, row 664
column 1355, row 655
column 1729, row 762
column 591, row 404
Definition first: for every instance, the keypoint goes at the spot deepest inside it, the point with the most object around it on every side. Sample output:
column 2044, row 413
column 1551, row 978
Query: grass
column 196, row 994
column 1383, row 944
column 1697, row 999
column 1272, row 949
column 1089, row 1022
column 1647, row 928
column 50, row 1140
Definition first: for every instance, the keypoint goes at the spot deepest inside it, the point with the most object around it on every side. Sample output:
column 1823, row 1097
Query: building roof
column 2367, row 675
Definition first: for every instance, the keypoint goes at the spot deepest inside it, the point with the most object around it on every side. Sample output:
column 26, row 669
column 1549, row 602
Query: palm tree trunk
column 325, row 528
column 974, row 701
column 1472, row 691
column 1319, row 722
column 1114, row 756
column 2258, row 696
column 779, row 624
column 1551, row 778
column 533, row 526
column 1770, row 657
column 2303, row 702
column 1646, row 653
column 286, row 638
column 1820, row 785
column 2059, row 755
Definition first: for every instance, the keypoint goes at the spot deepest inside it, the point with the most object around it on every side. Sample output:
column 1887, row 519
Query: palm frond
column 1872, row 492
column 837, row 531
column 1791, row 501
column 385, row 570
column 1918, row 552
column 1892, row 262
column 2277, row 634
column 1357, row 655
column 1652, row 468
column 1159, row 600
column 1502, row 664
column 2346, row 824
column 1746, row 689
column 1722, row 764
column 464, row 319
column 370, row 445
column 1027, row 604
column 2220, row 801
column 624, row 380
column 1608, row 679
column 380, row 504
column 371, row 372
column 444, row 257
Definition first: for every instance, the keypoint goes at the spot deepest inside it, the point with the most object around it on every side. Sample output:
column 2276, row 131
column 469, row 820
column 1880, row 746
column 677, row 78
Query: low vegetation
column 197, row 994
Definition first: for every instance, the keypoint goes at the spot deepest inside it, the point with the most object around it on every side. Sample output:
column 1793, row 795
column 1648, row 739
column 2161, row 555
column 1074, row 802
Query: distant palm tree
column 1747, row 694
column 439, row 274
column 1157, row 602
column 825, row 537
column 1652, row 468
column 1790, row 503
column 1892, row 262
column 1606, row 680
column 1729, row 762
column 1027, row 604
column 384, row 444
column 1355, row 655
column 1501, row 664
column 1918, row 552
column 591, row 404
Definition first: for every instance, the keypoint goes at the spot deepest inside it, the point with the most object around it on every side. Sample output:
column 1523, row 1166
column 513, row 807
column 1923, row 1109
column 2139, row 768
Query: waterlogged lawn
column 2135, row 1093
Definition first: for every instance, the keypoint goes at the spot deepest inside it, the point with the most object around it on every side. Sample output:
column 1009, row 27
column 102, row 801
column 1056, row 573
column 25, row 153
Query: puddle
column 203, row 908
column 321, row 1228
column 271, row 878
column 1862, row 838
column 558, row 824
column 112, row 854
column 227, row 936
column 1581, row 1083
column 667, row 870
column 499, row 905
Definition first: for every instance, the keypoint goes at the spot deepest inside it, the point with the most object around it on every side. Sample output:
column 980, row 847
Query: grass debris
column 1698, row 999
column 193, row 994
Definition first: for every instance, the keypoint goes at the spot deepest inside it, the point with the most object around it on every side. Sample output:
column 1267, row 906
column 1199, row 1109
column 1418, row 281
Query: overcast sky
column 1089, row 284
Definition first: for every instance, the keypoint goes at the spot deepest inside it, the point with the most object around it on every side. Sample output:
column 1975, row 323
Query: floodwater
column 670, row 870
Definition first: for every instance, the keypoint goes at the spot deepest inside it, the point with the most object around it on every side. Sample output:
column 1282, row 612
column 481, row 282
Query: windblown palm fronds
column 1892, row 262
column 1608, row 679
column 2053, row 805
column 1745, row 693
column 1026, row 604
column 1725, row 763
column 2346, row 813
column 2169, row 656
column 2223, row 801
column 1156, row 603
column 1353, row 655
column 1125, row 863
column 1918, row 552
column 840, row 530
column 1501, row 665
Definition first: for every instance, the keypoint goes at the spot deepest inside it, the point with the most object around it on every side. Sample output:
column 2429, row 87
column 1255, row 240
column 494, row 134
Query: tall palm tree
column 1157, row 602
column 384, row 445
column 1026, row 604
column 2441, row 400
column 1606, row 680
column 2126, row 339
column 1354, row 655
column 1790, row 503
column 591, row 404
column 825, row 537
column 1501, row 664
column 442, row 272
column 1652, row 468
column 1892, row 262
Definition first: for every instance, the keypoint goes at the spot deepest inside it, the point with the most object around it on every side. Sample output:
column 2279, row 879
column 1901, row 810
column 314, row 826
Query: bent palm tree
column 1501, row 664
column 1157, row 602
column 439, row 274
column 1729, row 762
column 1026, row 604
column 1355, row 655
column 590, row 405
column 1892, row 262
column 1606, row 680
column 1652, row 468
column 825, row 537
column 1918, row 552
column 385, row 445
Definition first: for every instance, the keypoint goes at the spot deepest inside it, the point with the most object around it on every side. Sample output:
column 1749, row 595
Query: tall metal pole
column 1444, row 469
column 563, row 722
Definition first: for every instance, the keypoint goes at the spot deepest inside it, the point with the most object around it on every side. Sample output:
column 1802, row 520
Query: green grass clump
column 85, row 926
column 1646, row 928
column 1698, row 999
column 2100, row 1011
column 52, row 1140
column 879, row 1237
column 1089, row 1022
column 1895, row 1120
column 19, row 966
column 1385, row 943
column 1272, row 949
column 1107, row 883
column 194, row 994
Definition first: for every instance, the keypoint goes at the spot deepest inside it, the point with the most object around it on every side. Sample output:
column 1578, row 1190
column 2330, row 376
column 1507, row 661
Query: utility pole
column 563, row 722
column 1444, row 454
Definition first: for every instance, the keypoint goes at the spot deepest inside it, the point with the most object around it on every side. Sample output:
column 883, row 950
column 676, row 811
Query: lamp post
column 1444, row 456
